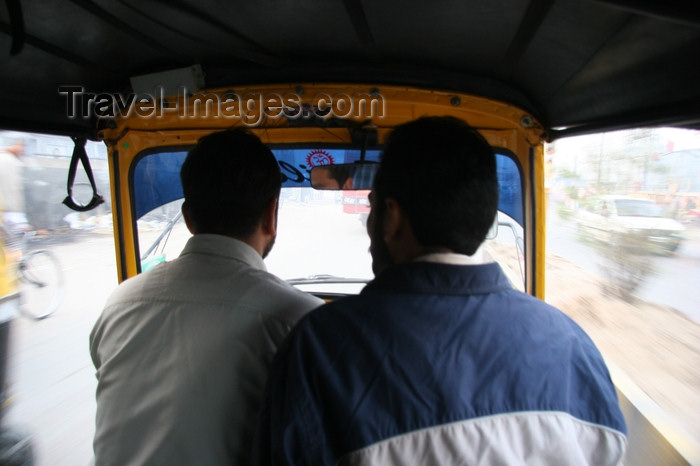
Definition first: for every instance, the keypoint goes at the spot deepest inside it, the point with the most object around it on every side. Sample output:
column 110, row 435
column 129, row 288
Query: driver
column 182, row 351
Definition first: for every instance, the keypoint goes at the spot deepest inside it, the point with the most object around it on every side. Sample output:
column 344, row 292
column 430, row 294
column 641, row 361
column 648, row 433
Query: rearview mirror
column 343, row 176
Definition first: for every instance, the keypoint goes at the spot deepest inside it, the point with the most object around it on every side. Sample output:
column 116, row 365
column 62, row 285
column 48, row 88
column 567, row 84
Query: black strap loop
column 80, row 154
column 14, row 9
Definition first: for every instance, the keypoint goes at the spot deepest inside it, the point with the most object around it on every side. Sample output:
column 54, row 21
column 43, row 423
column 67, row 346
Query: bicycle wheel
column 41, row 284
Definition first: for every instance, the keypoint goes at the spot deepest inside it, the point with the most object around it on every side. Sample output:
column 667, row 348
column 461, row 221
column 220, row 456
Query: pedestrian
column 12, row 199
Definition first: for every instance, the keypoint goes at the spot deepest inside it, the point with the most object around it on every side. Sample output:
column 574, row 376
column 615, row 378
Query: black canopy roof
column 577, row 65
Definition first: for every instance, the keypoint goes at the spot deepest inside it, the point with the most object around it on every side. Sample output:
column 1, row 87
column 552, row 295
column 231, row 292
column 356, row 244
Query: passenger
column 182, row 351
column 12, row 200
column 439, row 360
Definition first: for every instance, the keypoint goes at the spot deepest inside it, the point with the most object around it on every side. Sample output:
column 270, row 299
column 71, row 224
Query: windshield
column 637, row 208
column 322, row 242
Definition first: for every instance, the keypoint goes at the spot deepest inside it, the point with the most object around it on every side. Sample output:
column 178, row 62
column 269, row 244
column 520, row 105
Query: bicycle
column 40, row 279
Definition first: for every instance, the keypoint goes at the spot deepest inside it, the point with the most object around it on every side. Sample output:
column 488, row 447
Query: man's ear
column 186, row 215
column 269, row 218
column 393, row 220
column 398, row 234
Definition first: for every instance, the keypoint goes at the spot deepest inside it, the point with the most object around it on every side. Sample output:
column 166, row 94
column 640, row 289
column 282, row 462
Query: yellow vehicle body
column 8, row 273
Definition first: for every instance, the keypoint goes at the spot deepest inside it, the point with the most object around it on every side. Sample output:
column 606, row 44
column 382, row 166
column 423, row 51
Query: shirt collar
column 224, row 246
column 453, row 258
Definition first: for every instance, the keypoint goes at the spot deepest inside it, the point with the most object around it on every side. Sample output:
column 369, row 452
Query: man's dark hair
column 228, row 179
column 442, row 173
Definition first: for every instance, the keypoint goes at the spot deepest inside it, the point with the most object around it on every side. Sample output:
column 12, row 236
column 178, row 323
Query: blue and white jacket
column 437, row 364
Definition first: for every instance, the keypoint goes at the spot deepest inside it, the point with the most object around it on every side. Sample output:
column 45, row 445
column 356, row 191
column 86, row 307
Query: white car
column 613, row 218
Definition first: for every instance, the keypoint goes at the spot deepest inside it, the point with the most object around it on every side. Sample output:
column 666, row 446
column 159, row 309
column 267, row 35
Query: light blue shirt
column 182, row 354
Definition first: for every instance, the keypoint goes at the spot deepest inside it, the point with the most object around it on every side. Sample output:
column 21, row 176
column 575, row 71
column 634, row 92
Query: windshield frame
column 289, row 170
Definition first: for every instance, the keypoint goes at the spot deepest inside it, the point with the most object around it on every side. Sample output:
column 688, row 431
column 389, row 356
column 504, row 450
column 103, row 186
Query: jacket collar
column 440, row 278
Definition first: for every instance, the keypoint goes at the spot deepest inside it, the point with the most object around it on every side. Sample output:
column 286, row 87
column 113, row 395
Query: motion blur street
column 673, row 279
column 51, row 378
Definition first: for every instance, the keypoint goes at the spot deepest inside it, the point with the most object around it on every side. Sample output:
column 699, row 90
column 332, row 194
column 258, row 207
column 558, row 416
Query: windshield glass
column 634, row 208
column 322, row 242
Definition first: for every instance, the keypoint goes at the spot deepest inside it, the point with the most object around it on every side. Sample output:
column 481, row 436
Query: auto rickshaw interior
column 522, row 72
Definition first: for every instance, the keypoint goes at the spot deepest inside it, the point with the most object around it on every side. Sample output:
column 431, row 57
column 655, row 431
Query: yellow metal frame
column 504, row 126
column 8, row 276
